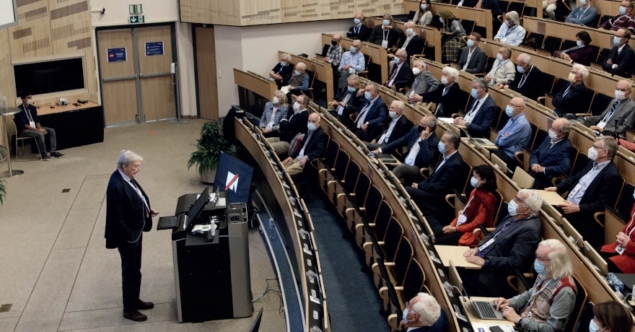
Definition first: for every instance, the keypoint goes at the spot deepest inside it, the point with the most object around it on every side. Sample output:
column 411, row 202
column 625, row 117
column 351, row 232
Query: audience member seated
column 553, row 157
column 582, row 53
column 423, row 16
column 492, row 5
column 583, row 15
column 275, row 110
column 620, row 255
column 299, row 82
column 446, row 95
column 423, row 79
column 429, row 195
column 516, row 133
column 620, row 112
column 291, row 126
column 28, row 125
column 401, row 74
column 473, row 59
column 511, row 32
column 352, row 62
column 625, row 19
column 423, row 150
column 546, row 306
column 386, row 35
column 398, row 127
column 282, row 71
column 372, row 114
column 503, row 71
column 334, row 53
column 423, row 314
column 591, row 190
column 479, row 210
column 482, row 111
column 570, row 99
column 313, row 146
column 528, row 80
column 412, row 43
column 549, row 8
column 453, row 34
column 509, row 248
column 611, row 316
column 359, row 30
column 621, row 60
column 346, row 100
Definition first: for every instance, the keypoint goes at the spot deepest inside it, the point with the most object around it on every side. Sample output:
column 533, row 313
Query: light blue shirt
column 513, row 36
column 514, row 136
column 575, row 195
column 356, row 61
column 582, row 15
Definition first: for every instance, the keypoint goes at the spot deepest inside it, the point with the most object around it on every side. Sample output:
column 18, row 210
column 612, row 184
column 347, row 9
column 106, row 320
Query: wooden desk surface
column 45, row 110
column 476, row 321
column 454, row 254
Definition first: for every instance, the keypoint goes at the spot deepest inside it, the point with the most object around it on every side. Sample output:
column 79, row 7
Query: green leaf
column 208, row 148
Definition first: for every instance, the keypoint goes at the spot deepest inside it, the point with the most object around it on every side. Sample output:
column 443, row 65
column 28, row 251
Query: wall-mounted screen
column 8, row 13
column 49, row 76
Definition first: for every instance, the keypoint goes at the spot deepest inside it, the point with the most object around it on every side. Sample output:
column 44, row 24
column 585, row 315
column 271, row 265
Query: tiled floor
column 54, row 267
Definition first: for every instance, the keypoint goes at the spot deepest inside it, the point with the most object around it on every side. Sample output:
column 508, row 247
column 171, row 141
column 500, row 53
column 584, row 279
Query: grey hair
column 525, row 58
column 508, row 51
column 403, row 50
column 453, row 138
column 559, row 258
column 482, row 82
column 427, row 308
column 410, row 23
column 533, row 200
column 388, row 16
column 281, row 96
column 513, row 15
column 354, row 78
column 126, row 157
column 286, row 56
column 608, row 144
column 452, row 72
column 582, row 70
column 400, row 105
column 302, row 65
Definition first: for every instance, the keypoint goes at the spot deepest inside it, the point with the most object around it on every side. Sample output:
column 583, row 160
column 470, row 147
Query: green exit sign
column 135, row 9
column 137, row 19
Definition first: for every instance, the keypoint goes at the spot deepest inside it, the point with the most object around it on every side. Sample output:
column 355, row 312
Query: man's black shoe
column 145, row 305
column 57, row 154
column 135, row 316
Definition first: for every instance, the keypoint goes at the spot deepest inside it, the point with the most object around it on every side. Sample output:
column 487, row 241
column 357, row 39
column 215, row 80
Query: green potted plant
column 3, row 188
column 208, row 149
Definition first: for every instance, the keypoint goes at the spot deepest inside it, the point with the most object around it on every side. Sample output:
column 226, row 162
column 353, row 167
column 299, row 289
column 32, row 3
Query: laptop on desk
column 184, row 221
column 483, row 309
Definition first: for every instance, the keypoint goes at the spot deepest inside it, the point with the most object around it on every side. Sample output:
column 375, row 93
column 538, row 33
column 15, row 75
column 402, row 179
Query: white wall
column 229, row 52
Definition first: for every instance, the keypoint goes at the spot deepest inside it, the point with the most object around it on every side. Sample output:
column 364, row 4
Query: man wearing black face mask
column 334, row 54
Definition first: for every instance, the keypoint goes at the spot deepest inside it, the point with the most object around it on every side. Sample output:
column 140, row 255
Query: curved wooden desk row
column 254, row 82
column 431, row 35
column 377, row 54
column 298, row 222
column 413, row 6
column 323, row 71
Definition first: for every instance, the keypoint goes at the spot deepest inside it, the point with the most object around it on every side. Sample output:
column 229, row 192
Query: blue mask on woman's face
column 539, row 267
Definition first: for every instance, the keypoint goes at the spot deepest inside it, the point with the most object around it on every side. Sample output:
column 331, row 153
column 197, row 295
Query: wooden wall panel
column 225, row 12
column 32, row 36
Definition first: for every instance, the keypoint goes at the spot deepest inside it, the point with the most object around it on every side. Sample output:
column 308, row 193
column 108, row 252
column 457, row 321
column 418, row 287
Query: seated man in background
column 621, row 60
column 28, row 125
column 334, row 53
column 412, row 43
column 503, row 71
column 401, row 74
column 423, row 150
column 570, row 98
column 591, row 190
column 481, row 112
column 583, row 15
column 386, row 35
column 553, row 157
column 359, row 30
column 398, row 127
column 511, row 32
column 352, row 62
column 275, row 110
column 547, row 306
column 282, row 71
column 508, row 248
column 472, row 59
column 528, row 80
column 372, row 114
column 624, row 19
column 313, row 146
column 429, row 195
column 516, row 133
column 346, row 100
column 423, row 79
column 620, row 112
column 294, row 124
column 298, row 82
column 424, row 314
column 446, row 95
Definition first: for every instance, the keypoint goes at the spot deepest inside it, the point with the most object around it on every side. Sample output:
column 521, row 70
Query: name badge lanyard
column 386, row 34
column 28, row 116
column 510, row 30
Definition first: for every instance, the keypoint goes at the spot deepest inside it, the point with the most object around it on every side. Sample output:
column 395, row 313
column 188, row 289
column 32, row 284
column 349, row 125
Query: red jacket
column 626, row 261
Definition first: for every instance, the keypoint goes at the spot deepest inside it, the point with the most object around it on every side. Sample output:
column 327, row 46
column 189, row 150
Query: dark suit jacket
column 532, row 88
column 377, row 113
column 443, row 180
column 352, row 104
column 477, row 61
column 487, row 113
column 624, row 114
column 602, row 190
column 441, row 325
column 285, row 72
column 625, row 61
column 296, row 123
column 362, row 35
column 402, row 127
column 404, row 76
column 125, row 211
column 428, row 149
column 451, row 100
column 315, row 147
column 415, row 46
column 556, row 160
column 572, row 102
column 377, row 36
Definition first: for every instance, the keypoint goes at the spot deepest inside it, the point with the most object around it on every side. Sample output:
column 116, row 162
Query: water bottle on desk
column 272, row 229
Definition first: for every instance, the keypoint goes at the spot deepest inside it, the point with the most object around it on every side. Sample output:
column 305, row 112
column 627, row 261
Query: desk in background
column 74, row 125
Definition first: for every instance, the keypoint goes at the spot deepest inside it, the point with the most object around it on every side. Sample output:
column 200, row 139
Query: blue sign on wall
column 117, row 54
column 154, row 48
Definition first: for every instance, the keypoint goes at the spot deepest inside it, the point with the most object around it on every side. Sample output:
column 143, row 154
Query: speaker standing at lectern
column 128, row 215
column 28, row 125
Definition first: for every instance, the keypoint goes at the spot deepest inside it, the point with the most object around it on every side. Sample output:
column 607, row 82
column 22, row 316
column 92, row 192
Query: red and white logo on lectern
column 232, row 181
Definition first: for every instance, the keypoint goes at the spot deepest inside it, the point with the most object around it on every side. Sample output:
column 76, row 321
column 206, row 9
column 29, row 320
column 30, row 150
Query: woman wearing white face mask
column 275, row 110
column 423, row 16
column 611, row 316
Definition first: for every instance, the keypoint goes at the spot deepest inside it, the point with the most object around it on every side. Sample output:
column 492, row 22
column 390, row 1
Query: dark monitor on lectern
column 197, row 208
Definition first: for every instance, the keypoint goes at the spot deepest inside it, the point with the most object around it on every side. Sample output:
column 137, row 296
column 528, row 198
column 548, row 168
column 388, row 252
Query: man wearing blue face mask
column 528, row 79
column 625, row 19
column 359, row 30
column 372, row 114
column 570, row 99
column 313, row 146
column 511, row 32
column 352, row 61
column 401, row 74
column 481, row 112
column 346, row 101
column 423, row 314
column 509, row 248
column 515, row 135
column 583, row 15
column 472, row 59
column 621, row 60
column 386, row 35
column 503, row 71
column 282, row 71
